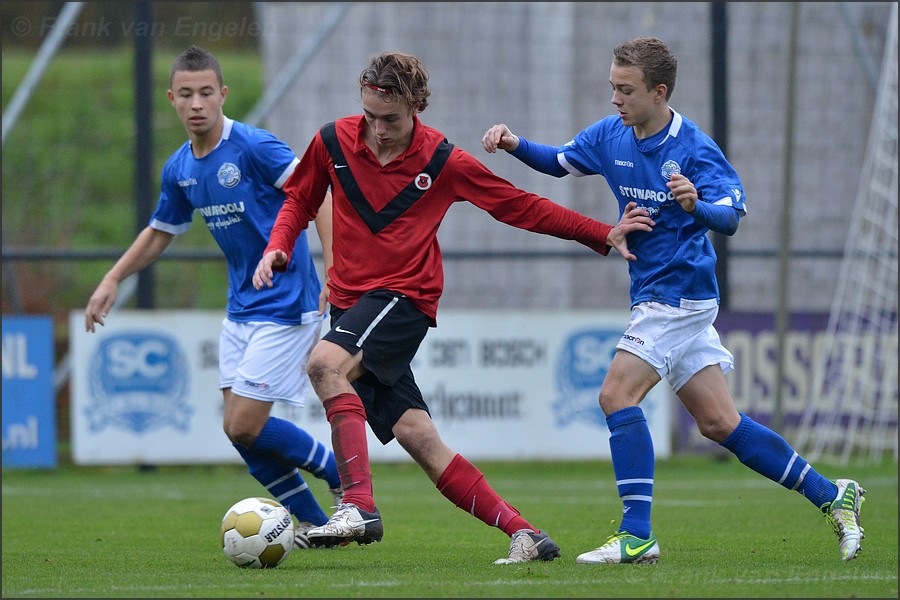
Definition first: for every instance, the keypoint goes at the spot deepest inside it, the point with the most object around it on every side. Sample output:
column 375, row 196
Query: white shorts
column 677, row 342
column 267, row 361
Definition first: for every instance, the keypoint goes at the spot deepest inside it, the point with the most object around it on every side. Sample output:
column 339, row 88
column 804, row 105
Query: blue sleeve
column 717, row 217
column 274, row 157
column 174, row 211
column 539, row 157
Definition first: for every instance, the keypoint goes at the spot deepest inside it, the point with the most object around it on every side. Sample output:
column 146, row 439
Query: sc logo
column 138, row 359
column 139, row 382
column 581, row 367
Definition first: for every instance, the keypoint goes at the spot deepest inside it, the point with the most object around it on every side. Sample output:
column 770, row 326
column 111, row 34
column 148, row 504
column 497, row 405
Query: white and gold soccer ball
column 257, row 533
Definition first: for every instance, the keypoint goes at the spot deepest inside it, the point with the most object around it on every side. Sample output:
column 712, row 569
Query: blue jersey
column 676, row 262
column 236, row 188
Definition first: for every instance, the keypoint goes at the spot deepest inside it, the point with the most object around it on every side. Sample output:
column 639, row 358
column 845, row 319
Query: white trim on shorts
column 676, row 341
column 267, row 361
column 377, row 320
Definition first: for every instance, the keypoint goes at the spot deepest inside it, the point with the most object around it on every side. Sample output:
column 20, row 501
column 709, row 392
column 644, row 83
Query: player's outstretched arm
column 145, row 249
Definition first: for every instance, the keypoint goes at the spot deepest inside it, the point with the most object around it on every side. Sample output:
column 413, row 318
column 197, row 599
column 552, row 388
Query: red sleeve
column 524, row 210
column 304, row 192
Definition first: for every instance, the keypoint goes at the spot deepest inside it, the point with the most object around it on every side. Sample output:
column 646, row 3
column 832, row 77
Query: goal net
column 852, row 408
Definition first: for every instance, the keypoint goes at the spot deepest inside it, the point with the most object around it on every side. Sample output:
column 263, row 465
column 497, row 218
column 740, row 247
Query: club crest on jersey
column 669, row 168
column 229, row 175
column 423, row 181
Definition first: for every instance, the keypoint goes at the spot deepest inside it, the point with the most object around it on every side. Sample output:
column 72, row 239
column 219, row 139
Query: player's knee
column 406, row 436
column 415, row 435
column 318, row 369
column 239, row 433
column 715, row 429
column 611, row 401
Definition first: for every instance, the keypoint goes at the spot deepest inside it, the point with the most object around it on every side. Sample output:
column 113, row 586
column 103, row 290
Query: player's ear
column 224, row 94
column 661, row 91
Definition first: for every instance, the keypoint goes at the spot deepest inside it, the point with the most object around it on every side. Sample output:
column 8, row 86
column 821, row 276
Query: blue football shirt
column 676, row 262
column 236, row 188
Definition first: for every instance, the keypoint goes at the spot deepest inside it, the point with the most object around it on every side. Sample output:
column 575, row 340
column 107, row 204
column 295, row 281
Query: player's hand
column 100, row 304
column 499, row 136
column 323, row 297
column 265, row 268
column 633, row 219
column 684, row 192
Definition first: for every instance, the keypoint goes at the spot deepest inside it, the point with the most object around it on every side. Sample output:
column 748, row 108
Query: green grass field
column 724, row 532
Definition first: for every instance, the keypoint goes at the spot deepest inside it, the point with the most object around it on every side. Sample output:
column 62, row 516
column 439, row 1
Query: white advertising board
column 500, row 385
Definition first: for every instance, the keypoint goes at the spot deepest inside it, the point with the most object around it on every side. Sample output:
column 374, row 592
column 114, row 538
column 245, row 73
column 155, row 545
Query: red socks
column 347, row 417
column 464, row 485
column 461, row 483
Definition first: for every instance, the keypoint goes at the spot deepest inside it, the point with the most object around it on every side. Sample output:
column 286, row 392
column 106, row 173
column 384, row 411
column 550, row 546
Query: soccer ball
column 257, row 533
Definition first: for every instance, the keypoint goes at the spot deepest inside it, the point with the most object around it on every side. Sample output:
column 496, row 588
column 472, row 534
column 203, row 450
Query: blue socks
column 295, row 446
column 285, row 484
column 756, row 446
column 280, row 450
column 633, row 461
column 771, row 456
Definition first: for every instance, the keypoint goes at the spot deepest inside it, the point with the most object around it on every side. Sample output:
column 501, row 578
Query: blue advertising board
column 29, row 407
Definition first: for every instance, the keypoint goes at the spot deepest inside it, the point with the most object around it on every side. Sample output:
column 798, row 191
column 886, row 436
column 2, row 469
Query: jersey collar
column 415, row 144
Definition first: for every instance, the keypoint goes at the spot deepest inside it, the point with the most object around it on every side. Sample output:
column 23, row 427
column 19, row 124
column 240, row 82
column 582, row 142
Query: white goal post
column 852, row 408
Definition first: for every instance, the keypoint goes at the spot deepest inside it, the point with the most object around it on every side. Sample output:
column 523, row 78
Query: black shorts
column 389, row 328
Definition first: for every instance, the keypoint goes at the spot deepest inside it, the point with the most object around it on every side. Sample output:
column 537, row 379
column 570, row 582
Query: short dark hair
column 396, row 73
column 196, row 59
column 653, row 57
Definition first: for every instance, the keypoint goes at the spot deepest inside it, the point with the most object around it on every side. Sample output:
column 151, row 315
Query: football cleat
column 526, row 546
column 349, row 523
column 843, row 516
column 301, row 542
column 622, row 547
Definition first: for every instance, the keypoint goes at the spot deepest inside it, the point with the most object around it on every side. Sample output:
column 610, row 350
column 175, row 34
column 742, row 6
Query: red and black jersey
column 386, row 218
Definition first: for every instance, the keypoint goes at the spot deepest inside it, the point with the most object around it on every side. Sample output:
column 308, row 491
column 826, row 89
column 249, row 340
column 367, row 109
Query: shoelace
column 616, row 537
column 846, row 520
column 519, row 544
column 836, row 525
